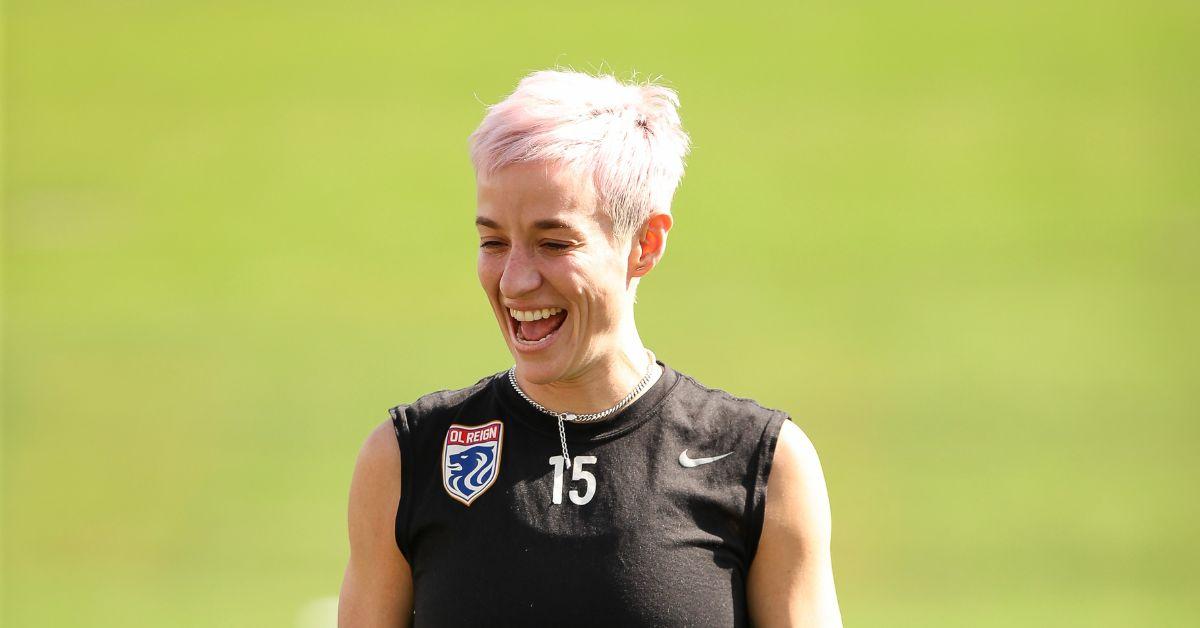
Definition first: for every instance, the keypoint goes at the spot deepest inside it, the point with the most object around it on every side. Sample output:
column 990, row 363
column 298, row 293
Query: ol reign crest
column 471, row 459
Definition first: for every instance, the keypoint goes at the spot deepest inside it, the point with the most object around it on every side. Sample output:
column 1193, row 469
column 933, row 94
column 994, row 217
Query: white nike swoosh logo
column 695, row 462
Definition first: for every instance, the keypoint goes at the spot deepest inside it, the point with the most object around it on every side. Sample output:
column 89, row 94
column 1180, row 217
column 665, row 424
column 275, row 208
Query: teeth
column 533, row 315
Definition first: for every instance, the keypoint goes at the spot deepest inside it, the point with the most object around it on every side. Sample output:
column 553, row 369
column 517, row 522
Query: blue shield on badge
column 471, row 460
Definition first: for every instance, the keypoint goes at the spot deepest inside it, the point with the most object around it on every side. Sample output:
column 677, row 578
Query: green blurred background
column 959, row 242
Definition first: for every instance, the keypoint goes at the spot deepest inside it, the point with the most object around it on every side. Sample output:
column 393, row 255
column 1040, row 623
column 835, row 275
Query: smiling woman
column 546, row 243
column 462, row 511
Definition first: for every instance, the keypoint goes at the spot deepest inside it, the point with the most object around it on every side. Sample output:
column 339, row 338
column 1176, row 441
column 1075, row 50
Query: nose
column 520, row 276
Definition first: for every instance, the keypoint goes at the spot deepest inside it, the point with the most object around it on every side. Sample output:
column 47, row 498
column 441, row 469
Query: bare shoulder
column 791, row 576
column 375, row 487
column 377, row 587
column 380, row 452
column 797, row 499
column 796, row 464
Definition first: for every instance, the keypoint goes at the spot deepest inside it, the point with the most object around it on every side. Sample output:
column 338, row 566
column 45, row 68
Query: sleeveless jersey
column 655, row 522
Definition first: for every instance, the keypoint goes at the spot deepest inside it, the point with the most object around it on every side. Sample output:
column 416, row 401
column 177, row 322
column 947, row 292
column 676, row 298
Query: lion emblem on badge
column 471, row 459
column 470, row 470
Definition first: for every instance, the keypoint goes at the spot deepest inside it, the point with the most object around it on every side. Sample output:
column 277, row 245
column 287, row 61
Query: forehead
column 518, row 195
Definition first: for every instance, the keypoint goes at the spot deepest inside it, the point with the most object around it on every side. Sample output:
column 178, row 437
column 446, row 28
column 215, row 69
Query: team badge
column 471, row 459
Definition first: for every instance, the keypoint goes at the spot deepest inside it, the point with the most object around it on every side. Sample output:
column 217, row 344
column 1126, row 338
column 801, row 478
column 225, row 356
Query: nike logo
column 695, row 462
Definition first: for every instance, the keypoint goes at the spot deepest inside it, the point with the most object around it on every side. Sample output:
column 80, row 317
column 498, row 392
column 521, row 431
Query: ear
column 649, row 245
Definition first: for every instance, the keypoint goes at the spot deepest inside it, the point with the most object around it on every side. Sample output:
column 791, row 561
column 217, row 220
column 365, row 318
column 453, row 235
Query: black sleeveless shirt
column 655, row 522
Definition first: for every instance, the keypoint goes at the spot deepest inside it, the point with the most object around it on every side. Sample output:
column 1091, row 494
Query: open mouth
column 536, row 327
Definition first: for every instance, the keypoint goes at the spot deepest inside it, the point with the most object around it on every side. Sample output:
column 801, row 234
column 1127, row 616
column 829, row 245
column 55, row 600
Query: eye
column 491, row 244
column 556, row 246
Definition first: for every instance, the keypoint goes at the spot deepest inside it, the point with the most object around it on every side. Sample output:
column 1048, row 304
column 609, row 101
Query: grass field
column 959, row 242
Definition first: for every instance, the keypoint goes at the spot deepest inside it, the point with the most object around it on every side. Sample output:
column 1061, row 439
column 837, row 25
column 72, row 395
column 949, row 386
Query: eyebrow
column 544, row 224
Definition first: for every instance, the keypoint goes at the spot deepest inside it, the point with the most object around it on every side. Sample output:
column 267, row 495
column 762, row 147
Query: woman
column 591, row 484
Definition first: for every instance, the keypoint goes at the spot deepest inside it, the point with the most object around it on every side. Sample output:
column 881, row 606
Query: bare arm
column 377, row 587
column 791, row 579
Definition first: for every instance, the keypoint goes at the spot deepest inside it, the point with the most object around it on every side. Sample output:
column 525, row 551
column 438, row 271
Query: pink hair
column 627, row 136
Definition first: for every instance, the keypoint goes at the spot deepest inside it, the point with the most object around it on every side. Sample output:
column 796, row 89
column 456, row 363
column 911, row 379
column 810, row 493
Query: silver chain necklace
column 562, row 417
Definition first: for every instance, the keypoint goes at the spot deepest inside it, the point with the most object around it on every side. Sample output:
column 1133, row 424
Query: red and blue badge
column 471, row 459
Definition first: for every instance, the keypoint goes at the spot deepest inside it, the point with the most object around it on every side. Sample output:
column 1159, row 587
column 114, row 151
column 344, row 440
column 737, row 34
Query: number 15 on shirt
column 578, row 473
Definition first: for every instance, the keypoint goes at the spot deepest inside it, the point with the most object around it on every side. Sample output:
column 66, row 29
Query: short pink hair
column 627, row 136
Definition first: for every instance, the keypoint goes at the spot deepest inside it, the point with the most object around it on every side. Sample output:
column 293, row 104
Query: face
column 557, row 280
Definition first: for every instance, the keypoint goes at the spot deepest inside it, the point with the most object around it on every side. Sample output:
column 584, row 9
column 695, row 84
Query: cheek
column 598, row 282
column 488, row 268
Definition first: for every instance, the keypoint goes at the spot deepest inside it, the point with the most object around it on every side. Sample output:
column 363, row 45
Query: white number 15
column 577, row 474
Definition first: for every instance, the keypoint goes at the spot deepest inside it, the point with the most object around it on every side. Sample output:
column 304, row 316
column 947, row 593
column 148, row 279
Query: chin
column 542, row 362
column 542, row 367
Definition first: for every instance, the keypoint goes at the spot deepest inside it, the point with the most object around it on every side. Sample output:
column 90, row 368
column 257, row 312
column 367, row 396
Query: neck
column 604, row 384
